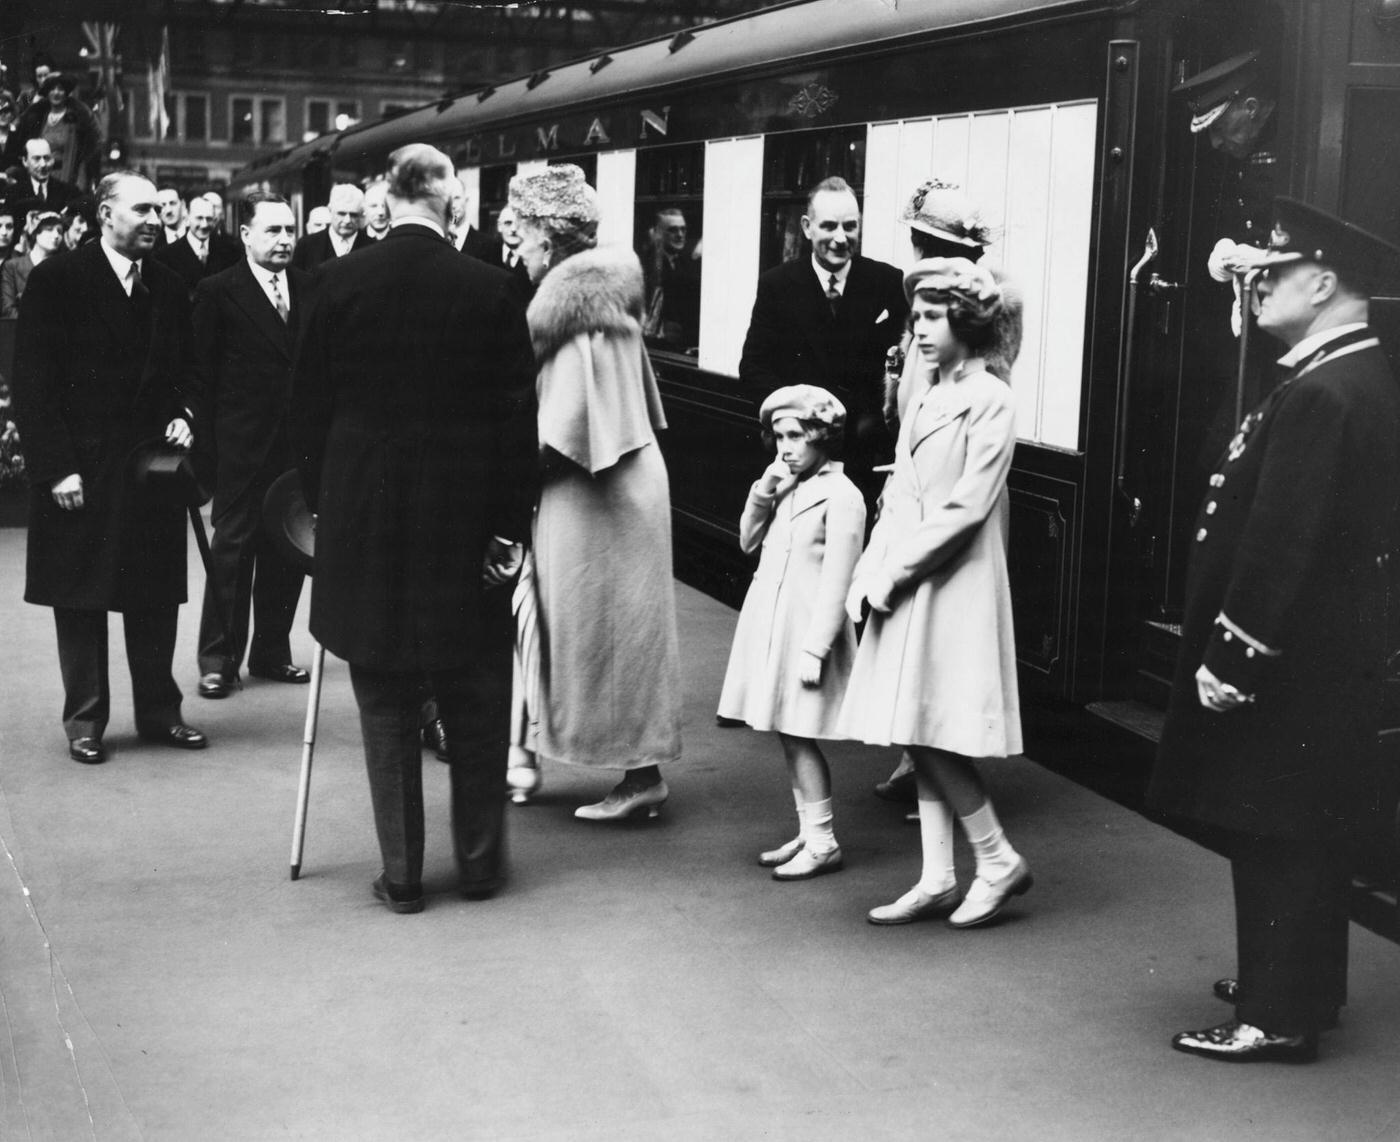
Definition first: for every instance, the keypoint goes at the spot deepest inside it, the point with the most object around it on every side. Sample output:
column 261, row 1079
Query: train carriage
column 1057, row 118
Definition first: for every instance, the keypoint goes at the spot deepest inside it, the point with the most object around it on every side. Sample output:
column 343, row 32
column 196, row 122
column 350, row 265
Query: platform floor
column 161, row 977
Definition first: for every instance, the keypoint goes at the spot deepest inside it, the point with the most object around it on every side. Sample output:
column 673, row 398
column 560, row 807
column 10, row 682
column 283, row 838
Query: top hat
column 1303, row 233
column 1211, row 91
column 167, row 473
column 289, row 520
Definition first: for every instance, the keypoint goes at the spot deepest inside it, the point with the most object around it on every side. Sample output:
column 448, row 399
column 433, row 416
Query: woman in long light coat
column 936, row 667
column 606, row 691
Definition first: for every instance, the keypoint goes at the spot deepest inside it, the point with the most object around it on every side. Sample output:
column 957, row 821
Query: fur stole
column 595, row 291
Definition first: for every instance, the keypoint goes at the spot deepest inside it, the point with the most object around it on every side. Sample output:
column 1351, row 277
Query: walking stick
column 308, row 748
column 211, row 582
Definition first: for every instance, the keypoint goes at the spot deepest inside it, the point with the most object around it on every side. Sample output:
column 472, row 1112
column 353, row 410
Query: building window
column 241, row 121
column 272, row 121
column 318, row 116
column 347, row 113
column 195, row 128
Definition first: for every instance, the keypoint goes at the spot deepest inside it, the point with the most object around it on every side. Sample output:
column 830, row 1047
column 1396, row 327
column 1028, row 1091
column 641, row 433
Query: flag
column 102, row 58
column 158, row 86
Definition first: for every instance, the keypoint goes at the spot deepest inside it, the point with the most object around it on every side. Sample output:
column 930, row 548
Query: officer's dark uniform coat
column 1288, row 548
column 96, row 373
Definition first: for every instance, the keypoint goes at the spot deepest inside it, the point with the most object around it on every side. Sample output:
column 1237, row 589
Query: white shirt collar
column 120, row 263
column 1310, row 345
column 194, row 242
column 341, row 246
column 418, row 220
column 263, row 274
column 824, row 275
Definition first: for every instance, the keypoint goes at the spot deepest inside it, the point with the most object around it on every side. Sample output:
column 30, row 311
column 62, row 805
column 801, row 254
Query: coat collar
column 950, row 402
column 110, row 299
column 815, row 489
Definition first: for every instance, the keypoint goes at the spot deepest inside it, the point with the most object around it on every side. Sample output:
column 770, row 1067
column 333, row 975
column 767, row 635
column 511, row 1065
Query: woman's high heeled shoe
column 625, row 800
column 522, row 775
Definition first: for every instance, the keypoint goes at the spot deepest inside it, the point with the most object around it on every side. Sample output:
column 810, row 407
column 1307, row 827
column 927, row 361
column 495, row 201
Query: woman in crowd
column 45, row 241
column 936, row 668
column 607, row 689
column 64, row 120
column 793, row 645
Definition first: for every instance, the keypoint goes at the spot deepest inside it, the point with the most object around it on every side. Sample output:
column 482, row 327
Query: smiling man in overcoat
column 1271, row 738
column 102, row 371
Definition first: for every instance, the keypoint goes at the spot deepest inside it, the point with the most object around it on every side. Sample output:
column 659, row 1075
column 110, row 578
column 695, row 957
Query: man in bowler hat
column 414, row 424
column 102, row 367
column 1271, row 731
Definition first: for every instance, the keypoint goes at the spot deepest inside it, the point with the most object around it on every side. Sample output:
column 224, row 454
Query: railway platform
column 162, row 978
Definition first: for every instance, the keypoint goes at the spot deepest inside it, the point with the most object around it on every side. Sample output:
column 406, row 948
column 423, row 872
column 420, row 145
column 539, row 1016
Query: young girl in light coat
column 794, row 645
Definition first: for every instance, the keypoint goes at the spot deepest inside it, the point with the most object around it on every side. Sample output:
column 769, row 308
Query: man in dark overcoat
column 1271, row 732
column 828, row 320
column 196, row 255
column 245, row 322
column 102, row 367
column 345, row 234
column 414, row 425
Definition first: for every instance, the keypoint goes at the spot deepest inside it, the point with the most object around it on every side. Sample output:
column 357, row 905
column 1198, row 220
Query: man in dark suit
column 672, row 283
column 414, row 426
column 343, row 236
column 1271, row 732
column 245, row 322
column 197, row 256
column 828, row 320
column 102, row 367
column 172, row 215
column 36, row 182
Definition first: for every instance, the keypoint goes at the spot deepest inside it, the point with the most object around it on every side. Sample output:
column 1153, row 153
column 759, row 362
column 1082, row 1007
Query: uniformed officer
column 1271, row 732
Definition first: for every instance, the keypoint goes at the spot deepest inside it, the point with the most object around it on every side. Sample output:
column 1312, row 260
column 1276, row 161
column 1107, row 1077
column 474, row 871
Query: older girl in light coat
column 794, row 645
column 936, row 668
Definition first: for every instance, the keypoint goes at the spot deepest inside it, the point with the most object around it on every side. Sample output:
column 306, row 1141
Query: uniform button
column 1249, row 652
column 1217, row 480
column 1229, row 637
column 1200, row 535
column 1210, row 508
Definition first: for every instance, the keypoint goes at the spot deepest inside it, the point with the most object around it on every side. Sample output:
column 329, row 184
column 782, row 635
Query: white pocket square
column 884, row 316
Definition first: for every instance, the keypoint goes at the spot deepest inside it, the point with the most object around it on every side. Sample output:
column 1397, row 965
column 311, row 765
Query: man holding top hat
column 104, row 403
column 1271, row 729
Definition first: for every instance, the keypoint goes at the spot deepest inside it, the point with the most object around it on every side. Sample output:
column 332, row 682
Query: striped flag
column 158, row 87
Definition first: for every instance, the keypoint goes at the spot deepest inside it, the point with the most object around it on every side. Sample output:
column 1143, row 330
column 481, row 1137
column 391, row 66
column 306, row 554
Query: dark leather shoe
column 1236, row 1042
column 87, row 750
column 215, row 685
column 179, row 735
column 282, row 672
column 402, row 898
column 435, row 738
column 1228, row 990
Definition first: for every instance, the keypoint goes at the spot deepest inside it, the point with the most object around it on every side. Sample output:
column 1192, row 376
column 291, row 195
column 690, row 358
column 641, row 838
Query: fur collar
column 596, row 291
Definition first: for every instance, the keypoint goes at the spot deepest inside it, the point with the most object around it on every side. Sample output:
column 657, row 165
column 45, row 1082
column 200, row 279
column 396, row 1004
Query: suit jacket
column 60, row 193
column 243, row 360
column 314, row 250
column 413, row 421
column 1285, row 599
column 181, row 258
column 96, row 374
column 794, row 338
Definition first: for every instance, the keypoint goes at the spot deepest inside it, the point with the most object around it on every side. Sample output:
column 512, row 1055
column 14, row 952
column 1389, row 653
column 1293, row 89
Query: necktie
column 833, row 295
column 203, row 252
column 139, row 290
column 278, row 300
column 43, row 189
column 510, row 258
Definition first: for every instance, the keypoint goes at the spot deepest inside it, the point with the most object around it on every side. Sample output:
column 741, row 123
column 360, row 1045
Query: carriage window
column 792, row 165
column 493, row 188
column 670, row 185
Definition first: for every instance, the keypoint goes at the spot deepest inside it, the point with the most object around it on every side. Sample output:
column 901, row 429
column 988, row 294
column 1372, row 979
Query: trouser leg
column 474, row 703
column 1291, row 927
column 82, row 661
column 223, row 623
column 388, row 705
column 150, row 654
column 276, row 589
